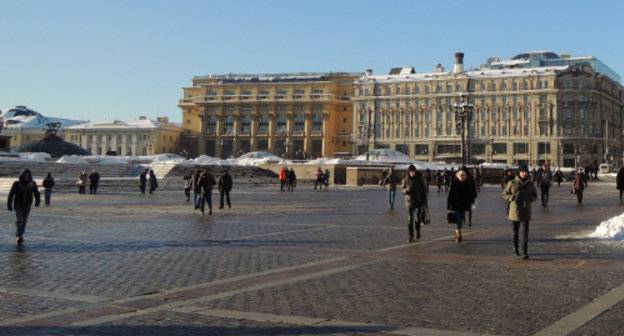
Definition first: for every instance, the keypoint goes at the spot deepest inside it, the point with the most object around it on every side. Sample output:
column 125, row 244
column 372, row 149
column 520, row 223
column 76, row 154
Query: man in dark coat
column 143, row 181
column 413, row 187
column 94, row 179
column 206, row 182
column 545, row 180
column 21, row 199
column 48, row 184
column 225, row 186
column 196, row 188
column 619, row 181
column 520, row 193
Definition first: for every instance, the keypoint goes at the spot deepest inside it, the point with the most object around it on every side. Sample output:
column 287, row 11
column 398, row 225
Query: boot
column 458, row 237
column 410, row 238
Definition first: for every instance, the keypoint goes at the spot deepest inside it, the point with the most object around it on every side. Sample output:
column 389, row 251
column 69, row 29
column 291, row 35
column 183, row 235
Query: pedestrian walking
column 283, row 177
column 292, row 180
column 476, row 175
column 21, row 199
column 427, row 178
column 391, row 181
column 472, row 182
column 82, row 182
column 152, row 181
column 382, row 181
column 143, row 181
column 460, row 199
column 579, row 185
column 413, row 187
column 196, row 188
column 439, row 180
column 225, row 186
column 326, row 178
column 94, row 180
column 206, row 182
column 520, row 193
column 558, row 177
column 48, row 184
column 188, row 185
column 448, row 175
column 619, row 181
column 545, row 180
column 319, row 179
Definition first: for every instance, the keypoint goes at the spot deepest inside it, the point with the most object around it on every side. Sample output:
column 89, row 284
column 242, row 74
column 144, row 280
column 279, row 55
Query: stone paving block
column 609, row 323
column 461, row 296
column 16, row 305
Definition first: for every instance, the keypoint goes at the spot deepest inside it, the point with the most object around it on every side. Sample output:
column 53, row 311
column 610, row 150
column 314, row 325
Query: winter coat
column 153, row 181
column 143, row 178
column 558, row 176
column 195, row 183
column 225, row 182
column 82, row 180
column 520, row 194
column 619, row 179
column 206, row 181
column 414, row 190
column 391, row 181
column 283, row 175
column 94, row 178
column 22, row 192
column 545, row 177
column 462, row 195
column 48, row 182
column 580, row 182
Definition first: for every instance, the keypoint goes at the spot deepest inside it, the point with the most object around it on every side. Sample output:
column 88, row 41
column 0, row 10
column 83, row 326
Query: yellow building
column 521, row 111
column 290, row 115
column 128, row 138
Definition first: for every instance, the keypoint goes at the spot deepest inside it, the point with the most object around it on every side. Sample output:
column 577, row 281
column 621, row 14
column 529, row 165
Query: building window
column 317, row 123
column 300, row 123
column 499, row 148
column 493, row 86
column 319, row 107
column 543, row 130
column 526, row 85
column 246, row 124
column 263, row 123
column 568, row 129
column 246, row 108
column 521, row 148
column 543, row 148
column 282, row 108
column 493, row 130
column 229, row 108
column 568, row 84
column 581, row 130
column 422, row 149
column 281, row 123
column 515, row 85
column 228, row 125
column 398, row 132
column 582, row 114
column 568, row 114
column 504, row 86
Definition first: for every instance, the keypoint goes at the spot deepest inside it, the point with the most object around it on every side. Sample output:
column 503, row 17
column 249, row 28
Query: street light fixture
column 463, row 114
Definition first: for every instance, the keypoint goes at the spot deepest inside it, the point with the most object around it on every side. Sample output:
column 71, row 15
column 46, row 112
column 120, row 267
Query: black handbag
column 450, row 217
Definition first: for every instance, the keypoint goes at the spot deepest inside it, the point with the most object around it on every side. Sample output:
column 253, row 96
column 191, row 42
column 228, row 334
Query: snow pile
column 612, row 228
column 37, row 157
column 72, row 159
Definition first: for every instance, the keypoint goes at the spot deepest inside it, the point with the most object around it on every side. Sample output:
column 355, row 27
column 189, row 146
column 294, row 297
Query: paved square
column 308, row 262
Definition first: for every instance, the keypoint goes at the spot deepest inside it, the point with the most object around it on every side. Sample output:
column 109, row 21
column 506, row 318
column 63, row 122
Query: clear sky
column 94, row 60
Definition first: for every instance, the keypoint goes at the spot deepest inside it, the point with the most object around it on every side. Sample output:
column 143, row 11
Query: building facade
column 127, row 138
column 24, row 125
column 569, row 115
column 290, row 115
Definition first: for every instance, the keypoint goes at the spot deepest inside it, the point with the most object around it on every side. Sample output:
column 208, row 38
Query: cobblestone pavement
column 308, row 263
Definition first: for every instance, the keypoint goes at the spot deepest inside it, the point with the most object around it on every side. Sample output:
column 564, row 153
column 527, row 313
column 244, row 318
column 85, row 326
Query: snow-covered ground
column 612, row 228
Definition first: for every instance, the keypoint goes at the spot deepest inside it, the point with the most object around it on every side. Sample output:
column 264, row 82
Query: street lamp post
column 463, row 114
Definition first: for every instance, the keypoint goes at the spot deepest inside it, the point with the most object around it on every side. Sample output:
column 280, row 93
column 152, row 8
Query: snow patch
column 612, row 228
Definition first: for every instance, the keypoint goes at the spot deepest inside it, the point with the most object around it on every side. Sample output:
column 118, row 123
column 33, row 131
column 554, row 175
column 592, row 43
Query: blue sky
column 95, row 60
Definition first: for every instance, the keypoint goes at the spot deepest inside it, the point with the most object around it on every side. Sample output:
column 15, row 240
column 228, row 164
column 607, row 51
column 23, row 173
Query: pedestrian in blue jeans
column 21, row 199
column 391, row 181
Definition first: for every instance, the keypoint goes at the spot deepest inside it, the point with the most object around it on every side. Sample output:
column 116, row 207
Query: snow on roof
column 117, row 124
column 23, row 117
column 474, row 74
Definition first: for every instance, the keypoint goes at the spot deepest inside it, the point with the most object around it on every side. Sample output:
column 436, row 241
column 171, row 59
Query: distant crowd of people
column 201, row 184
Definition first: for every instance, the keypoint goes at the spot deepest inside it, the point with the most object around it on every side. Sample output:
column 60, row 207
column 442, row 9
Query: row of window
column 263, row 123
column 266, row 92
column 406, row 89
column 249, row 108
column 476, row 149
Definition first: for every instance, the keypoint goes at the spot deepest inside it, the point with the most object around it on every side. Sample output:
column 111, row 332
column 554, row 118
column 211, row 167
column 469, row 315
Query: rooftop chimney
column 439, row 68
column 369, row 72
column 459, row 62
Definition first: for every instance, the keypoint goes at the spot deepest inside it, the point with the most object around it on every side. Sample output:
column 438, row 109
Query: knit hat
column 524, row 167
column 411, row 168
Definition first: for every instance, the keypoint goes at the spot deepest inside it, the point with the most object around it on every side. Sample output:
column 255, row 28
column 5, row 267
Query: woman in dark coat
column 558, row 177
column 619, row 180
column 460, row 199
column 48, row 184
column 580, row 182
column 153, row 182
column 143, row 181
column 21, row 199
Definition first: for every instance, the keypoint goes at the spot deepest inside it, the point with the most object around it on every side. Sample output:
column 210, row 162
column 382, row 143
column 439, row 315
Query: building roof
column 52, row 145
column 145, row 124
column 272, row 78
column 472, row 74
column 23, row 117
